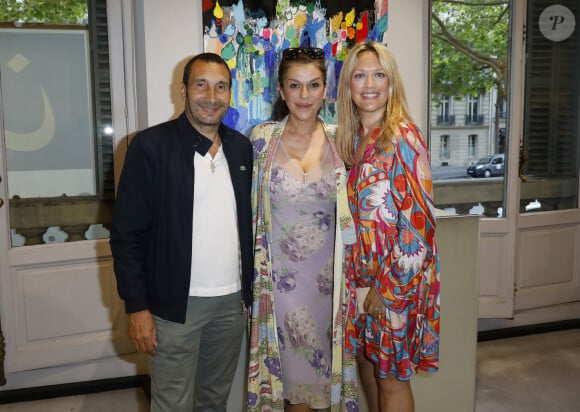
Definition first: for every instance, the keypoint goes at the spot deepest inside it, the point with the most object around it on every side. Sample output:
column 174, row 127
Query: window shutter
column 552, row 90
column 99, row 37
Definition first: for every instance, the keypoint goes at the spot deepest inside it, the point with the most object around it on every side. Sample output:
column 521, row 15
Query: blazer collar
column 199, row 142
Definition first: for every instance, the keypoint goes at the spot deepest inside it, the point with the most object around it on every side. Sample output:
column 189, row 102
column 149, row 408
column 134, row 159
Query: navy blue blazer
column 152, row 223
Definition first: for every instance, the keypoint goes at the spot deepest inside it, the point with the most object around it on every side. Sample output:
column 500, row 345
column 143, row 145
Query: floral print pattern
column 300, row 242
column 287, row 282
column 301, row 327
column 324, row 279
column 295, row 330
column 301, row 249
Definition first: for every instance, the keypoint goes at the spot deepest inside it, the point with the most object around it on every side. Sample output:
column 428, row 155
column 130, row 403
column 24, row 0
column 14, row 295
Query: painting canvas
column 250, row 35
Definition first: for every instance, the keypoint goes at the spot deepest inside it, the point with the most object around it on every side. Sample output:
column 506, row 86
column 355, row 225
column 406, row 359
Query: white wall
column 408, row 39
column 171, row 32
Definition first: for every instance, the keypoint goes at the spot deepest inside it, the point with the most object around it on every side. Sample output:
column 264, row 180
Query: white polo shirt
column 215, row 263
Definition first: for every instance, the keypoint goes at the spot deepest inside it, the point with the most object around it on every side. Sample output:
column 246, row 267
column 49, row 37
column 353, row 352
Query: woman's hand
column 373, row 304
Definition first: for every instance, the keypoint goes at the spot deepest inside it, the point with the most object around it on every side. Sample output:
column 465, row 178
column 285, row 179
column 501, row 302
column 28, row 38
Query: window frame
column 472, row 145
column 444, row 146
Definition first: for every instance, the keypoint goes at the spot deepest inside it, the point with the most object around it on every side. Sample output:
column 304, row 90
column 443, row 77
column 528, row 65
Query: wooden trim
column 525, row 330
column 43, row 26
column 2, row 355
column 77, row 388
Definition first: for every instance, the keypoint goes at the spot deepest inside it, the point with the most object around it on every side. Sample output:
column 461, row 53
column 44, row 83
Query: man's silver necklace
column 212, row 164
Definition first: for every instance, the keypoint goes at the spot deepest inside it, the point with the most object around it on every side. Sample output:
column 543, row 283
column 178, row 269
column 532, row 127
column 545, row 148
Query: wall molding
column 525, row 330
column 76, row 388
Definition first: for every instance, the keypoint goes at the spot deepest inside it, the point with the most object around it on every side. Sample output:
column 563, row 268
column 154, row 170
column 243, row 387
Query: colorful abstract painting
column 250, row 35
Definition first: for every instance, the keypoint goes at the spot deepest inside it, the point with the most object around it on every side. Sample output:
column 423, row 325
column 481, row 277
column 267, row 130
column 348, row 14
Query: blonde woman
column 394, row 258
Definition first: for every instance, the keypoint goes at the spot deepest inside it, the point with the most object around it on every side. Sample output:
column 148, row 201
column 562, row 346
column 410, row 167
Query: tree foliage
column 469, row 46
column 43, row 11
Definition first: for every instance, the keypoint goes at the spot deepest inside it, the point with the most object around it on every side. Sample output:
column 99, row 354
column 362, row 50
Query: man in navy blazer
column 181, row 240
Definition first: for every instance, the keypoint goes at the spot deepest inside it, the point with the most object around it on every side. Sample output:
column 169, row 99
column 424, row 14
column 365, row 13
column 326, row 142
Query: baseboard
column 144, row 381
column 76, row 388
column 527, row 330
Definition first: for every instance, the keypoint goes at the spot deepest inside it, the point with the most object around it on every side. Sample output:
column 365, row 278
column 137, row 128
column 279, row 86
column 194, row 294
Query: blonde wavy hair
column 396, row 111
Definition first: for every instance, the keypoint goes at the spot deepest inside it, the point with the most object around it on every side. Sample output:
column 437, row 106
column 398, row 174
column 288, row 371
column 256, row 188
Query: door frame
column 58, row 302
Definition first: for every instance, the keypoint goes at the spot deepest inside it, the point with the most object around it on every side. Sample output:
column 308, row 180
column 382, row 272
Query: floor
column 535, row 373
column 123, row 400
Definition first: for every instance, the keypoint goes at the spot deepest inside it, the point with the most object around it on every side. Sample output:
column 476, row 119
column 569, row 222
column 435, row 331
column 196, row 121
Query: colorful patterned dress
column 272, row 326
column 391, row 200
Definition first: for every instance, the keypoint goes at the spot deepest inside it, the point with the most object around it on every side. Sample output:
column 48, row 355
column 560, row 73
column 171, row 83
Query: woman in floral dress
column 395, row 256
column 297, row 357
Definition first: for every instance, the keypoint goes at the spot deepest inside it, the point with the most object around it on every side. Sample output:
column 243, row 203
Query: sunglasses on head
column 312, row 52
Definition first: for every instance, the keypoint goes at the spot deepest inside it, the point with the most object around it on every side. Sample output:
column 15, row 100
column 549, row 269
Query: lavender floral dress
column 319, row 372
column 303, row 229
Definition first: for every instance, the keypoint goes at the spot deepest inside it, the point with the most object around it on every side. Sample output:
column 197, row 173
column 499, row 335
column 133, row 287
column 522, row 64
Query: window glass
column 551, row 130
column 473, row 117
column 445, row 117
column 445, row 146
column 56, row 111
column 472, row 146
column 469, row 94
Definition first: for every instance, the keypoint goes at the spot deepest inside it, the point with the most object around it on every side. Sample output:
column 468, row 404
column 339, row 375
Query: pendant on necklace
column 212, row 166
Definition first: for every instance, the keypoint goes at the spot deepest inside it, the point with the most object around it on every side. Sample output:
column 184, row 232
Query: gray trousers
column 195, row 363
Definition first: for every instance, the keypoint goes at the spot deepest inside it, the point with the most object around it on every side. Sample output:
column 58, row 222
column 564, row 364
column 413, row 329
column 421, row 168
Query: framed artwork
column 251, row 34
column 48, row 107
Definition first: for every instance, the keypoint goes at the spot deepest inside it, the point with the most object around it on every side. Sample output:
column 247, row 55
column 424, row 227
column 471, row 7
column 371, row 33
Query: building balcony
column 471, row 120
column 72, row 218
column 446, row 120
column 463, row 194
